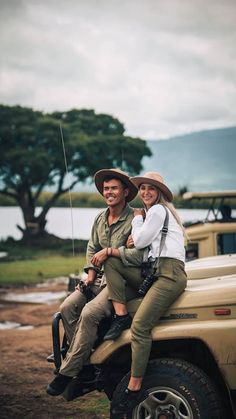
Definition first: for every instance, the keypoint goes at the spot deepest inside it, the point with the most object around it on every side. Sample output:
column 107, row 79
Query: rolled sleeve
column 92, row 248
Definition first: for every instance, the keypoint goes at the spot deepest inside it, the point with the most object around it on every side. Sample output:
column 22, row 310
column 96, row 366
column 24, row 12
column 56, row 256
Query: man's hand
column 89, row 280
column 99, row 257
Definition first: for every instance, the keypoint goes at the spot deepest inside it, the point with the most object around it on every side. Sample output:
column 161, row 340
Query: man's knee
column 74, row 303
column 113, row 263
column 64, row 307
column 94, row 313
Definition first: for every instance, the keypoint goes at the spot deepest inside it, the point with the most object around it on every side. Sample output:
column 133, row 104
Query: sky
column 162, row 67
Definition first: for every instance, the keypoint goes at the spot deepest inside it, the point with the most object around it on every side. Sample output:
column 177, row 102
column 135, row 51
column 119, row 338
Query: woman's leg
column 170, row 284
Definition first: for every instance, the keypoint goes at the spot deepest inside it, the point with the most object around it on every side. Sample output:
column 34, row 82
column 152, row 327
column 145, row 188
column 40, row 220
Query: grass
column 25, row 272
column 32, row 264
column 95, row 403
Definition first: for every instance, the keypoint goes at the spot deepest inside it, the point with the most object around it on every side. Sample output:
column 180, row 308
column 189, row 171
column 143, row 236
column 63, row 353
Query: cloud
column 163, row 67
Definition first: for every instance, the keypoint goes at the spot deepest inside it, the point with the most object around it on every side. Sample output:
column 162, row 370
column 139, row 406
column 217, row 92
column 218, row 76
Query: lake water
column 60, row 221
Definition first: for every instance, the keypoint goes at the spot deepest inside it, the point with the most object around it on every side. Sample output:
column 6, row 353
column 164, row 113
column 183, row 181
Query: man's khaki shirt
column 114, row 235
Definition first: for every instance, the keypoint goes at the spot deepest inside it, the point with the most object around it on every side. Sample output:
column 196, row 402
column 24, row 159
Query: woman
column 170, row 277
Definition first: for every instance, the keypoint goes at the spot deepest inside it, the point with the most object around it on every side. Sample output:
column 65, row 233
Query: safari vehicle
column 216, row 235
column 192, row 368
column 211, row 266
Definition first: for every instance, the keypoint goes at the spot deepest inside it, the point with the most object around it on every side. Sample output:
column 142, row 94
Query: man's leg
column 86, row 334
column 82, row 343
column 71, row 309
column 118, row 276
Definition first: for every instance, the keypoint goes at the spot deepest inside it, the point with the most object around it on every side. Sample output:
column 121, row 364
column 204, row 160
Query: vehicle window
column 226, row 243
column 191, row 251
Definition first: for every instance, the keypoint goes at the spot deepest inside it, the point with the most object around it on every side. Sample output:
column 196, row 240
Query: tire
column 173, row 389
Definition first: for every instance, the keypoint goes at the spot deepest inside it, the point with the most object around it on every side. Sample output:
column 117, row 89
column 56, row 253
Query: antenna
column 71, row 212
column 122, row 159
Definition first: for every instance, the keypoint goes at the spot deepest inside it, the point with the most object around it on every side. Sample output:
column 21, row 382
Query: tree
column 31, row 155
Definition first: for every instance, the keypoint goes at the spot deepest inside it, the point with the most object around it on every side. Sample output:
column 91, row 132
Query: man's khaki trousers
column 84, row 330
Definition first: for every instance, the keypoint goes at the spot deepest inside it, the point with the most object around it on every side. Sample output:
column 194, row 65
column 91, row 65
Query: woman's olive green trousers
column 170, row 282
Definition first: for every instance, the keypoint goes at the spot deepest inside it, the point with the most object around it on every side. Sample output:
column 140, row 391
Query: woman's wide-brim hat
column 116, row 174
column 155, row 179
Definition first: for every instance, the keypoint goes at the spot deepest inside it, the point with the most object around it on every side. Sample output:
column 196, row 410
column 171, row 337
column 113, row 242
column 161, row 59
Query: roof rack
column 215, row 207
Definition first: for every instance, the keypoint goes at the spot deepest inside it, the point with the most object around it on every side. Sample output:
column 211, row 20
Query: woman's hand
column 139, row 211
column 99, row 257
column 130, row 242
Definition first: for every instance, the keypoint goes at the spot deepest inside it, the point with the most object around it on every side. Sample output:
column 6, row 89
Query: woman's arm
column 145, row 231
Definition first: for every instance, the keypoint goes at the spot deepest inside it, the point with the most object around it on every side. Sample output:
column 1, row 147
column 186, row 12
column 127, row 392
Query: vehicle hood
column 211, row 266
column 199, row 293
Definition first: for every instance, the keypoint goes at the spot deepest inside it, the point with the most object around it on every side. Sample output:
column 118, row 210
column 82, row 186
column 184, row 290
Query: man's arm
column 92, row 248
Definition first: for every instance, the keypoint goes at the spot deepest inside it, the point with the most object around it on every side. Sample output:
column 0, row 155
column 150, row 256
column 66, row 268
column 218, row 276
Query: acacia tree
column 31, row 155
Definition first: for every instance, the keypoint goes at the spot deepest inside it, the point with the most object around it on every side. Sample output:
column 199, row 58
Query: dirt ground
column 25, row 373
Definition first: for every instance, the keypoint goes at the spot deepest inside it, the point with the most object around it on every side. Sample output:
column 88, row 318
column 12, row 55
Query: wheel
column 173, row 389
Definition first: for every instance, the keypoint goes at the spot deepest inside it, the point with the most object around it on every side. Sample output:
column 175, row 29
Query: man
column 111, row 229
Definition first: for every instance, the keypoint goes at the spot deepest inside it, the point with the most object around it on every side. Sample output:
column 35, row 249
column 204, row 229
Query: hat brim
column 102, row 174
column 138, row 180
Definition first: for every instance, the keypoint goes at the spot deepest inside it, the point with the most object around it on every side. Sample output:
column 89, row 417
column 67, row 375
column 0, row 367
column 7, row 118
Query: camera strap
column 164, row 232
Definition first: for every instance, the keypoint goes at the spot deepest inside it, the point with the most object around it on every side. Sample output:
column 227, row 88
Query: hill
column 201, row 161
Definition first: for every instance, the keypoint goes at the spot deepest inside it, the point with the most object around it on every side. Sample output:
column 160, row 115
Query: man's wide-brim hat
column 101, row 175
column 155, row 179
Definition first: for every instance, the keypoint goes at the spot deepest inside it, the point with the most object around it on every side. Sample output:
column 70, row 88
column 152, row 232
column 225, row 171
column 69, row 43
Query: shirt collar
column 126, row 211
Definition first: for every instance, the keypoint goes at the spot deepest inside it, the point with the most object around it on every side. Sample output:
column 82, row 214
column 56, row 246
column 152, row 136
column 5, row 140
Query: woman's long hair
column 162, row 200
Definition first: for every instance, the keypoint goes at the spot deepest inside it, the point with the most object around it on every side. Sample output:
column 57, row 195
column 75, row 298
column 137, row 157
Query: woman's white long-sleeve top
column 148, row 233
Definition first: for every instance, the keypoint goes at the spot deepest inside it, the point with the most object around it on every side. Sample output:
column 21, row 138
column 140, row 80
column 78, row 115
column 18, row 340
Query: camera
column 146, row 285
column 86, row 290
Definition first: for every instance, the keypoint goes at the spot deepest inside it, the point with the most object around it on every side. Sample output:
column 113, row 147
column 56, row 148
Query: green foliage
column 32, row 158
column 49, row 244
column 7, row 201
column 95, row 200
column 88, row 122
column 182, row 190
column 34, row 271
column 39, row 261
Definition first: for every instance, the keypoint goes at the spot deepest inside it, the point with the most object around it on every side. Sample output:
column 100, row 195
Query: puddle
column 44, row 297
column 13, row 325
column 3, row 255
column 61, row 280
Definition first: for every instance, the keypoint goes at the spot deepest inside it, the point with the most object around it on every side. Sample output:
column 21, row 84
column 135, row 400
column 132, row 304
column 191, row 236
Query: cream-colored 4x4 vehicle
column 192, row 368
column 216, row 235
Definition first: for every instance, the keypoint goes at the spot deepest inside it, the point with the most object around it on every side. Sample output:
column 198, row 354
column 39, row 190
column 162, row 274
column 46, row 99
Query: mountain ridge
column 200, row 161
